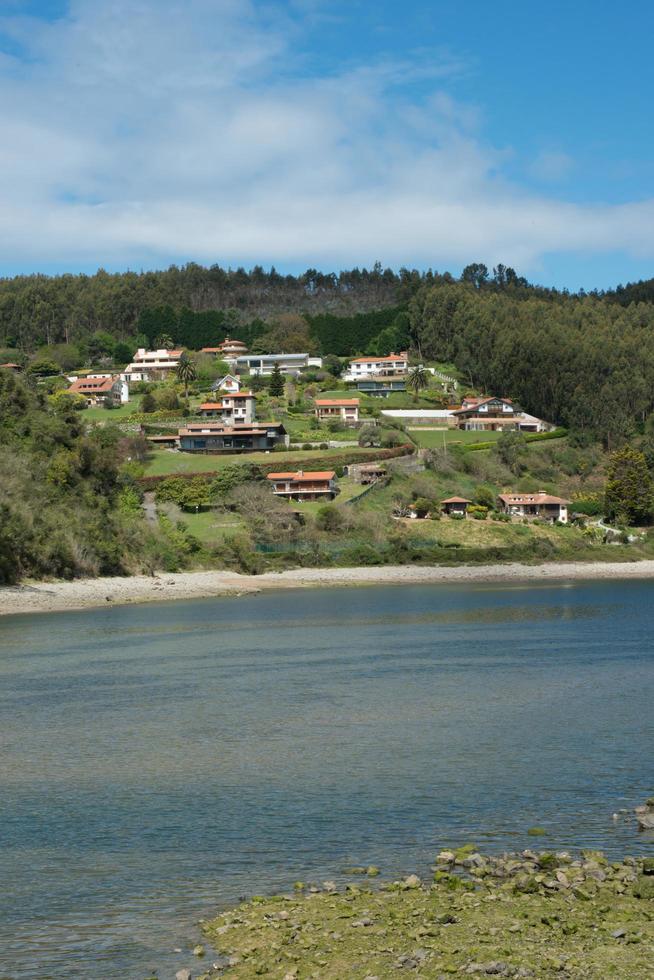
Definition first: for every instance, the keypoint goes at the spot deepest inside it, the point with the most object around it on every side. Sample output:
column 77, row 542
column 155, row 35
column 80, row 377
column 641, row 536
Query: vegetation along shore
column 529, row 914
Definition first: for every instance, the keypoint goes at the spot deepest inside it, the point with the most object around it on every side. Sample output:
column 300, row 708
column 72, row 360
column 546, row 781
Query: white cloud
column 144, row 131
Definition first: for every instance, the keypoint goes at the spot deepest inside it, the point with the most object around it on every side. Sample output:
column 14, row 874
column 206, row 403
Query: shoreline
column 63, row 596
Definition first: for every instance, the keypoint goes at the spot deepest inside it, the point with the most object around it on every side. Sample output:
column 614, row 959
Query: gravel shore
column 33, row 597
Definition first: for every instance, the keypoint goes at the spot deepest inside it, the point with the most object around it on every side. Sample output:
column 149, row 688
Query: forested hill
column 42, row 310
column 38, row 309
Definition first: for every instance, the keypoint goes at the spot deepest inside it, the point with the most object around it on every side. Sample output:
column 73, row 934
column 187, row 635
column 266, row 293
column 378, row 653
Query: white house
column 230, row 383
column 496, row 415
column 364, row 368
column 264, row 364
column 532, row 505
column 151, row 365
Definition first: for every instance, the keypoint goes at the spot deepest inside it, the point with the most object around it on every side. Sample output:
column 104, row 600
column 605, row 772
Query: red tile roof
column 531, row 498
column 303, row 476
column 336, row 401
column 92, row 386
column 456, row 500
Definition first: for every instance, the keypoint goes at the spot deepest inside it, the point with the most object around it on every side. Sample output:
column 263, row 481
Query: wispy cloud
column 144, row 131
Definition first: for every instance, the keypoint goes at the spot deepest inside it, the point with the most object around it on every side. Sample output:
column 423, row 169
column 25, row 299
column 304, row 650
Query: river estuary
column 158, row 762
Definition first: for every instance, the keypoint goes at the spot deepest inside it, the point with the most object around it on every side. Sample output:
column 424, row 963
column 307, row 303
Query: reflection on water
column 161, row 761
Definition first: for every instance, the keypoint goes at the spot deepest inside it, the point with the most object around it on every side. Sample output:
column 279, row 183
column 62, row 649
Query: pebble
column 183, row 975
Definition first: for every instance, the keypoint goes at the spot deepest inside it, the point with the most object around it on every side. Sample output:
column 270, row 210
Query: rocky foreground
column 532, row 914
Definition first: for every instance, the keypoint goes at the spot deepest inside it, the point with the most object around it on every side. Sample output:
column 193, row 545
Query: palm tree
column 185, row 372
column 418, row 380
column 164, row 342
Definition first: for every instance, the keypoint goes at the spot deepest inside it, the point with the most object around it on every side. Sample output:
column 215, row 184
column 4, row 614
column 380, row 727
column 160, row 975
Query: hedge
column 559, row 433
column 297, row 461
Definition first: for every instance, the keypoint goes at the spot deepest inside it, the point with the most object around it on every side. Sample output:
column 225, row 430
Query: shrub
column 485, row 496
column 330, row 518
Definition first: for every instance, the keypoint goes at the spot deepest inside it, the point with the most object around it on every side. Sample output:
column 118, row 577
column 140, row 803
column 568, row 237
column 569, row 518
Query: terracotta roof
column 336, row 401
column 531, row 498
column 240, row 394
column 303, row 476
column 210, row 350
column 205, row 406
column 456, row 500
column 10, row 365
column 92, row 386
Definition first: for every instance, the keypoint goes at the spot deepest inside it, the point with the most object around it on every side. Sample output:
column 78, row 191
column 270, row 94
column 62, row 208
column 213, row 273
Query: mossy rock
column 536, row 832
column 526, row 885
column 644, row 887
column 460, row 853
column 648, row 866
column 547, row 861
column 452, row 882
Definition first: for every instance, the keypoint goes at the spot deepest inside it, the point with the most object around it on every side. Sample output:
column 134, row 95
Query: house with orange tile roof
column 237, row 408
column 301, row 485
column 455, row 505
column 101, row 390
column 345, row 410
column 534, row 505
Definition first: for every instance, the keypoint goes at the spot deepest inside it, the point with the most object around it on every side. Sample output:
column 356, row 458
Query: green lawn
column 210, row 527
column 166, row 462
column 110, row 414
column 434, row 438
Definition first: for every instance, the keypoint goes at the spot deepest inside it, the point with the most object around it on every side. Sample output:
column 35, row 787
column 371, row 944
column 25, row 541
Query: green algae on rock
column 578, row 917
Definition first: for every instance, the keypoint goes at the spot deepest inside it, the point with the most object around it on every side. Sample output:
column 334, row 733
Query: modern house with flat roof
column 151, row 365
column 217, row 437
column 377, row 367
column 380, row 387
column 346, row 410
column 317, row 485
column 264, row 364
column 532, row 505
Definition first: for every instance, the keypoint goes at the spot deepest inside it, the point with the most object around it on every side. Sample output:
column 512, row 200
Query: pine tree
column 276, row 384
column 629, row 493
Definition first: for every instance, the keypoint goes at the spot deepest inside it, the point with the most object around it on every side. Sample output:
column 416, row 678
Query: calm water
column 159, row 762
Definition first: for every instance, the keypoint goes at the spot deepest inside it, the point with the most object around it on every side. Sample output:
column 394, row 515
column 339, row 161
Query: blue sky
column 137, row 133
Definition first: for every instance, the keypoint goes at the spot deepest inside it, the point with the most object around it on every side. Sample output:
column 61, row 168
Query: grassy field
column 110, row 414
column 434, row 438
column 210, row 527
column 166, row 462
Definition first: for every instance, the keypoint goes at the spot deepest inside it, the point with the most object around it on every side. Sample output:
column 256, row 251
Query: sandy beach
column 35, row 597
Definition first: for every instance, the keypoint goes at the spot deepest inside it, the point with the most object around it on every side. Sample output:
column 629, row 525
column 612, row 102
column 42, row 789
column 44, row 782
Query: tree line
column 582, row 361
